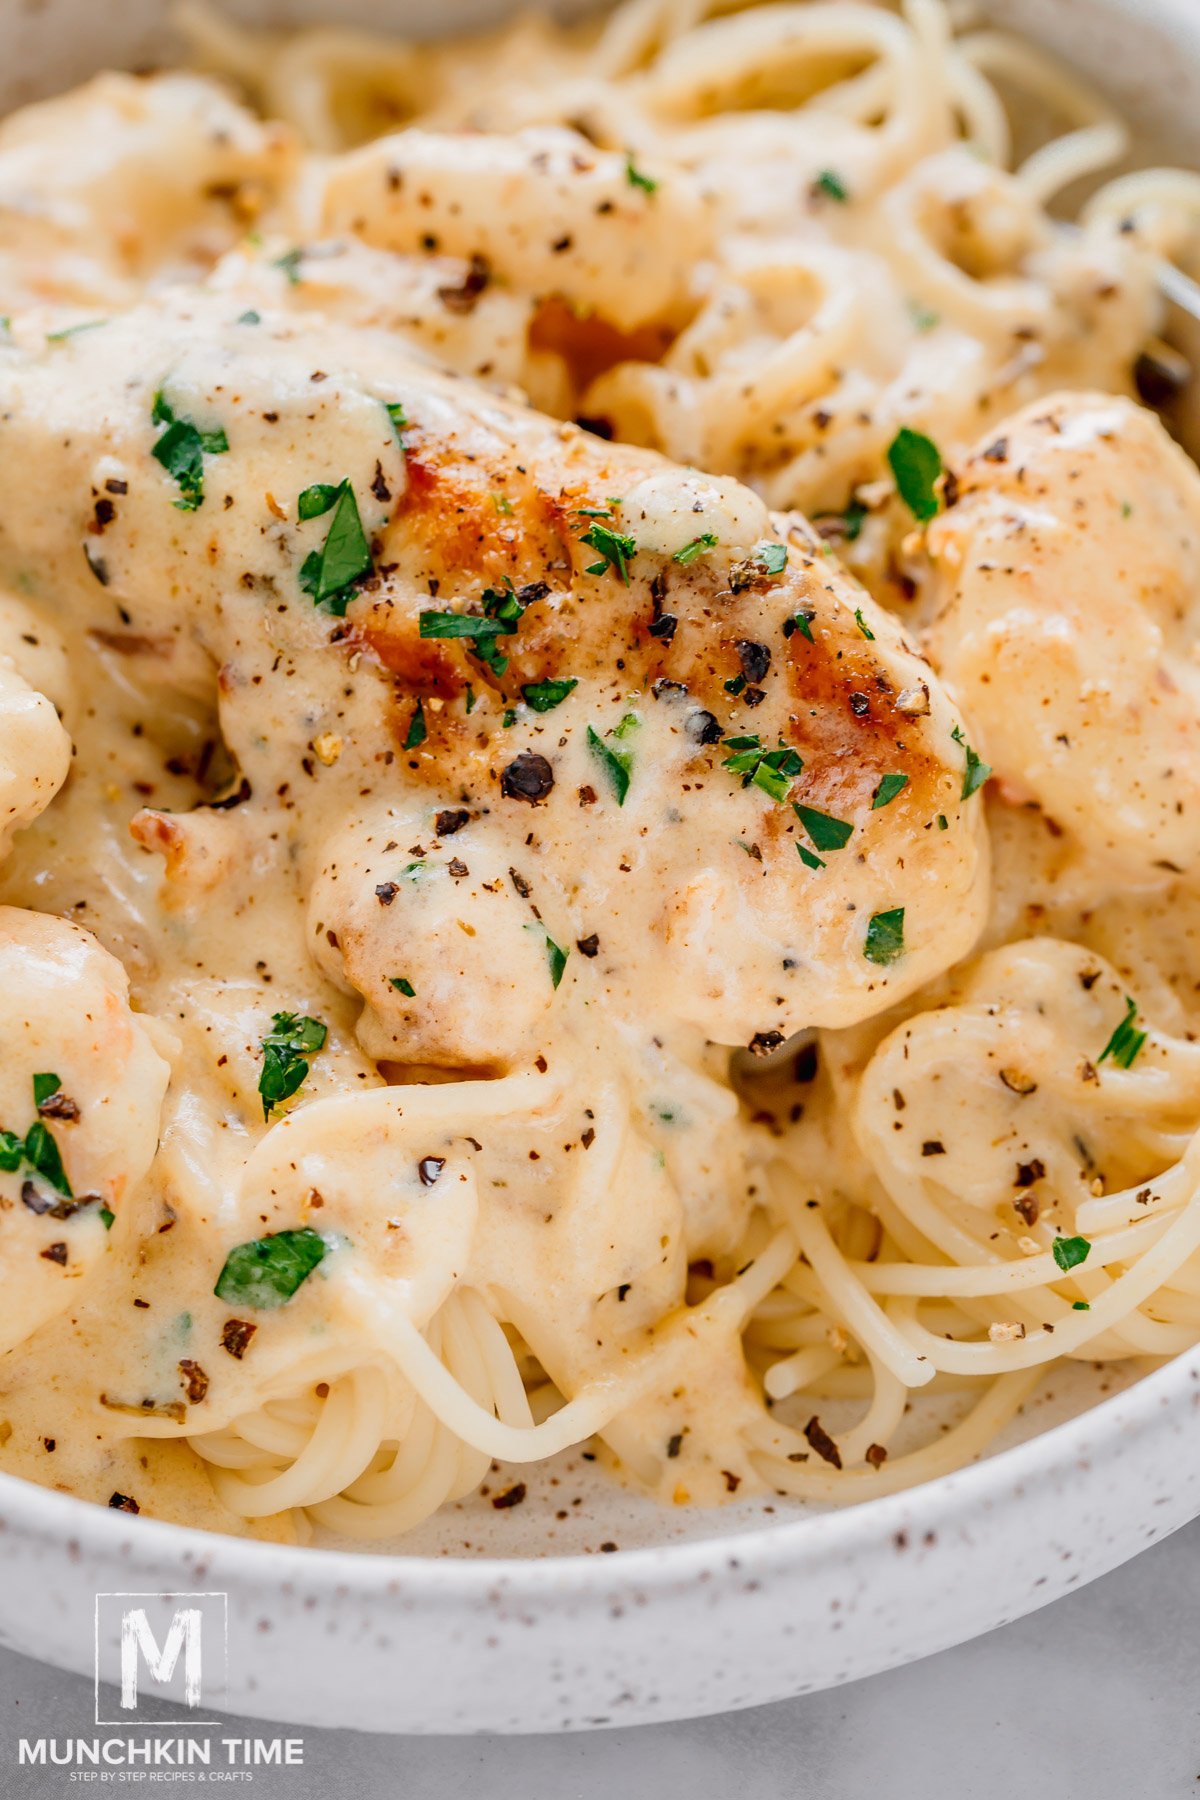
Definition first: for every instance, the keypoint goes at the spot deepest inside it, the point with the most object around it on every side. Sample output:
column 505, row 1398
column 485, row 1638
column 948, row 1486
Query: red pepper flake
column 876, row 1455
column 236, row 1335
column 822, row 1443
column 58, row 1106
column 512, row 1496
column 195, row 1381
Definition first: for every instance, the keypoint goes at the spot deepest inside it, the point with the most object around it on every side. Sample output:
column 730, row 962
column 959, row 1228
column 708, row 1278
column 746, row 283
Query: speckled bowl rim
column 66, row 1521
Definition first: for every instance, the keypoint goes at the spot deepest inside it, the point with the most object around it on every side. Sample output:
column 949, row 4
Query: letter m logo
column 138, row 1641
column 157, row 1647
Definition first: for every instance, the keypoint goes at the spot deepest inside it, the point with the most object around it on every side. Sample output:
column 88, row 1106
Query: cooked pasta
column 599, row 763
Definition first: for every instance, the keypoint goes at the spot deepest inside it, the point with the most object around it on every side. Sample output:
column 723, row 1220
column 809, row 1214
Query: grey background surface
column 1095, row 1698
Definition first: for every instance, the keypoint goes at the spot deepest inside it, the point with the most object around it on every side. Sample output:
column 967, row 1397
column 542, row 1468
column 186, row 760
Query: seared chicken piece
column 1070, row 570
column 176, row 168
column 495, row 687
column 81, row 1085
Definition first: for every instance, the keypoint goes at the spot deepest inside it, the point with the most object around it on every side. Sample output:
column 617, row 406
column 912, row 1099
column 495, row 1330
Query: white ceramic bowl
column 494, row 1621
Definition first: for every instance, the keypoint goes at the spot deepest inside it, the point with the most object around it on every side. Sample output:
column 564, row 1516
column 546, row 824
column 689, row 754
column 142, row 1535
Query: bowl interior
column 1146, row 55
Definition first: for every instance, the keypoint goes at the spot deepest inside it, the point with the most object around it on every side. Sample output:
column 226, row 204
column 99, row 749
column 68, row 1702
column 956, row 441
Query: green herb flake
column 266, row 1272
column 943, row 823
column 923, row 317
column 181, row 450
column 826, row 832
column 395, row 412
column 42, row 1154
column 976, row 771
column 286, row 1050
column 1070, row 1252
column 801, row 622
column 916, row 464
column 885, row 937
column 1080, row 1306
column 249, row 317
column 615, row 548
column 403, row 985
column 1125, row 1042
column 44, row 1086
column 330, row 575
column 853, row 520
column 12, row 1149
column 831, row 186
column 318, row 499
column 771, row 770
column 107, row 1217
column 418, row 731
column 544, row 696
column 470, row 699
column 862, row 625
column 503, row 505
column 706, row 541
column 636, row 179
column 70, row 331
column 290, row 262
column 617, row 764
column 808, row 859
column 889, row 786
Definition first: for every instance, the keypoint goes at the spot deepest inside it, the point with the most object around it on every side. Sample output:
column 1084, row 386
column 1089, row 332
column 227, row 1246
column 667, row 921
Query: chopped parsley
column 544, row 696
column 556, row 956
column 266, row 1272
column 503, row 609
column 771, row 770
column 318, row 499
column 889, row 787
column 70, row 331
column 395, row 412
column 1125, row 1042
column 615, row 549
column 1070, row 1252
column 801, row 622
column 862, row 625
column 617, row 764
column 290, row 262
column 636, row 179
column 38, row 1148
column 976, row 771
column 826, row 832
column 916, row 464
column 331, row 574
column 44, row 1086
column 852, row 521
column 923, row 317
column 418, row 731
column 286, row 1050
column 706, row 541
column 831, row 186
column 403, row 986
column 181, row 450
column 885, row 937
column 807, row 858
